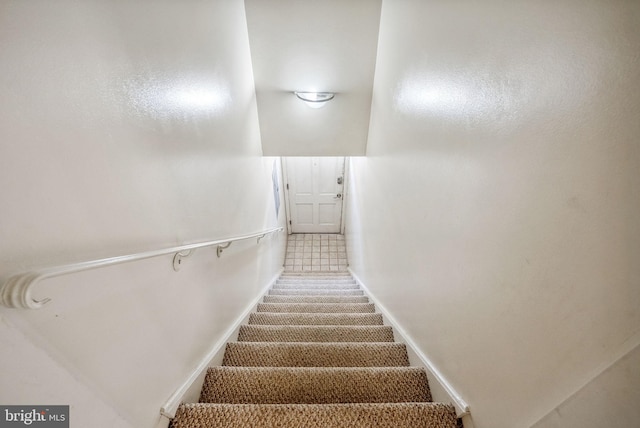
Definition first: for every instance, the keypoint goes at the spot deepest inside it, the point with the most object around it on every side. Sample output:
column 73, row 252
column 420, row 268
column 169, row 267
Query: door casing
column 311, row 194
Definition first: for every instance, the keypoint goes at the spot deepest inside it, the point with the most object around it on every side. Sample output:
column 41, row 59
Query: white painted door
column 315, row 193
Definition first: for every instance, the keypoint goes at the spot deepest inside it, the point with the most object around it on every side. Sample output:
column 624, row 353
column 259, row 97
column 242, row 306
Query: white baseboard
column 195, row 379
column 417, row 357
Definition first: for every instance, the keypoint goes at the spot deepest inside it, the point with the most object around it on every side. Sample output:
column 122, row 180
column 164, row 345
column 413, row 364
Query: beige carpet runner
column 315, row 354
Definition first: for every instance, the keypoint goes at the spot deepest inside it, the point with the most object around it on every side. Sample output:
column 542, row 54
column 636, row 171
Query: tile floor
column 315, row 252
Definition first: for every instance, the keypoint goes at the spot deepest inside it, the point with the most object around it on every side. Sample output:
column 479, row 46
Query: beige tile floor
column 315, row 252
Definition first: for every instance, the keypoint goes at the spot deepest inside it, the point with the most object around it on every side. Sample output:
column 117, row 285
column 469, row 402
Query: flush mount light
column 315, row 99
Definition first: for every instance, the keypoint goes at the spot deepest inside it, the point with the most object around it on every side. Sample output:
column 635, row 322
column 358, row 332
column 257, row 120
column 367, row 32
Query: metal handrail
column 16, row 290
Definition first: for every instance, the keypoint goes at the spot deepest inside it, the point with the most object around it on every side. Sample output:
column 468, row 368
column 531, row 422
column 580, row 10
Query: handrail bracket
column 15, row 292
column 222, row 247
column 177, row 259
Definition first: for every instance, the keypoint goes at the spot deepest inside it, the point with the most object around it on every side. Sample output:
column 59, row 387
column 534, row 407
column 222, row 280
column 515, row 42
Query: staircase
column 315, row 354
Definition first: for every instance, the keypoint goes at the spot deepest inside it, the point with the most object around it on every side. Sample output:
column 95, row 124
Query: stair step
column 315, row 354
column 327, row 308
column 316, row 275
column 316, row 281
column 354, row 415
column 284, row 354
column 315, row 299
column 319, row 333
column 314, row 385
column 270, row 318
column 314, row 292
column 327, row 286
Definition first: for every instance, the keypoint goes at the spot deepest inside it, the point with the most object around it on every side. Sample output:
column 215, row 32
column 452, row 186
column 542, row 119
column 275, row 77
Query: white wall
column 327, row 45
column 610, row 399
column 497, row 213
column 126, row 126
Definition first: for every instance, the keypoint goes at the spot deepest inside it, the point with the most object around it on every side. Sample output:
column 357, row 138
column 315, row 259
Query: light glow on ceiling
column 315, row 99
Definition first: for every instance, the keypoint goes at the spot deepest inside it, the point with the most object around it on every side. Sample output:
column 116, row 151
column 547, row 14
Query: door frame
column 285, row 177
column 345, row 191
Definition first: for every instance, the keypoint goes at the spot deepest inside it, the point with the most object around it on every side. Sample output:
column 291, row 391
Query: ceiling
column 311, row 45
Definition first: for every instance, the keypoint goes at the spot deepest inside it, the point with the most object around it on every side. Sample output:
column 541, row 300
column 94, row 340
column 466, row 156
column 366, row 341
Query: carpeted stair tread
column 328, row 286
column 316, row 280
column 316, row 284
column 315, row 292
column 314, row 385
column 285, row 354
column 312, row 278
column 315, row 299
column 327, row 308
column 315, row 354
column 315, row 333
column 314, row 275
column 354, row 415
column 270, row 318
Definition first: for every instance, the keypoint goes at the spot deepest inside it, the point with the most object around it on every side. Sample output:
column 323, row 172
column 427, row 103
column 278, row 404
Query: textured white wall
column 497, row 213
column 313, row 46
column 126, row 126
column 610, row 399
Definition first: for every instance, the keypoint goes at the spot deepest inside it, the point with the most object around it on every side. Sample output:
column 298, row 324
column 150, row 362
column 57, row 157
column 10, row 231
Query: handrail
column 16, row 290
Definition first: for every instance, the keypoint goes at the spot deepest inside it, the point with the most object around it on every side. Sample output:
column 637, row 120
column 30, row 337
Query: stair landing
column 315, row 252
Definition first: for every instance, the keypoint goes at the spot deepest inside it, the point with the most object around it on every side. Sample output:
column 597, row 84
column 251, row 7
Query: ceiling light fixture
column 315, row 99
